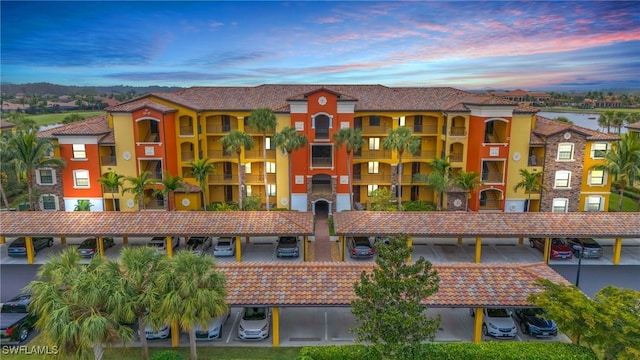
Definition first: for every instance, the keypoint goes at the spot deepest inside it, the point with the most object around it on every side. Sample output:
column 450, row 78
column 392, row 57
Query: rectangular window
column 595, row 203
column 249, row 190
column 374, row 120
column 49, row 202
column 565, row 151
column 81, row 178
column 321, row 156
column 247, row 168
column 79, row 151
column 268, row 144
column 373, row 167
column 596, row 177
column 272, row 190
column 563, row 179
column 560, row 205
column 371, row 188
column 45, row 177
column 374, row 143
column 598, row 150
column 271, row 167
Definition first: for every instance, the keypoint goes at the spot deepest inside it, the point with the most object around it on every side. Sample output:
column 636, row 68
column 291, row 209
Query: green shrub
column 418, row 206
column 489, row 350
column 166, row 355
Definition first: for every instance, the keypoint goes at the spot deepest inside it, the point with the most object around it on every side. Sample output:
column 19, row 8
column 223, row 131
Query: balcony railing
column 220, row 128
column 455, row 157
column 321, row 189
column 223, row 178
column 372, row 154
column 187, row 155
column 490, row 204
column 492, row 177
column 257, row 154
column 216, row 154
column 186, row 130
column 258, row 178
column 154, row 204
column 384, row 128
column 322, row 162
column 424, row 154
column 109, row 161
column 372, row 179
column 535, row 160
column 458, row 131
column 425, row 129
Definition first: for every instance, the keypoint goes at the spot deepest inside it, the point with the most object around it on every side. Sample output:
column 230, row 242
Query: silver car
column 254, row 324
column 199, row 244
column 497, row 322
column 226, row 246
column 213, row 330
column 160, row 243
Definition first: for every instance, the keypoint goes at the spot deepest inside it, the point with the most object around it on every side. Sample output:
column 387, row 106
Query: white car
column 160, row 243
column 162, row 333
column 213, row 330
column 497, row 322
column 254, row 324
column 226, row 246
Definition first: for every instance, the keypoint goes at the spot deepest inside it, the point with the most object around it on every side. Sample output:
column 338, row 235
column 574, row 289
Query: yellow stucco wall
column 123, row 132
column 282, row 167
column 521, row 125
column 587, row 190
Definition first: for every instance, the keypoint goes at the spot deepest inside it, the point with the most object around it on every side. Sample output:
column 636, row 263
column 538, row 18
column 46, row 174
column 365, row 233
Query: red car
column 560, row 249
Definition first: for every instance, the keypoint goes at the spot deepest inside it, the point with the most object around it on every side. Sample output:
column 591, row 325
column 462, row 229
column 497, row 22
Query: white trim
column 566, row 204
column 53, row 176
column 604, row 178
column 555, row 179
column 592, row 149
column 75, row 179
column 41, row 202
column 68, row 140
column 600, row 205
column 573, row 150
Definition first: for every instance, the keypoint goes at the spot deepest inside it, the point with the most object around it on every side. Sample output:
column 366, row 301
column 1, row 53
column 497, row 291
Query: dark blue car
column 533, row 322
column 18, row 247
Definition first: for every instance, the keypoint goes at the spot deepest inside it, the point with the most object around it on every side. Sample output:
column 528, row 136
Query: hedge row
column 454, row 351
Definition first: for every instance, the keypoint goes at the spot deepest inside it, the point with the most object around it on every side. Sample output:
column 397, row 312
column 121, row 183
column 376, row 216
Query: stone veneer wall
column 311, row 196
column 49, row 189
column 552, row 165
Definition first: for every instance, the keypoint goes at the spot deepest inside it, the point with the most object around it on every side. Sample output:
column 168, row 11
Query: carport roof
column 472, row 224
column 151, row 223
column 331, row 284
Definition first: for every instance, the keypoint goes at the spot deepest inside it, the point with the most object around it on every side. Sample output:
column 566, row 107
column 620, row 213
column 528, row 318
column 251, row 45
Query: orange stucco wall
column 91, row 164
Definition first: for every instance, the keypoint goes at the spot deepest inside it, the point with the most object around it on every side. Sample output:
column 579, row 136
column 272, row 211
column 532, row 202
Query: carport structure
column 150, row 223
column 489, row 225
column 322, row 284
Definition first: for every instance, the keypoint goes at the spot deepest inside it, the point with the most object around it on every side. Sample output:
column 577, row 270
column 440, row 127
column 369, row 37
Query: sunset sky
column 559, row 46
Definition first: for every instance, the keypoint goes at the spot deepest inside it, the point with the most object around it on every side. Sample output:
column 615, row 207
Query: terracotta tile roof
column 189, row 188
column 526, row 109
column 635, row 125
column 140, row 103
column 471, row 224
column 331, row 284
column 152, row 223
column 98, row 125
column 546, row 127
column 535, row 139
column 276, row 97
column 6, row 124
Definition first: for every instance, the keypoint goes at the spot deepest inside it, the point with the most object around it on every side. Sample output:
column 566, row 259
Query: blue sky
column 558, row 46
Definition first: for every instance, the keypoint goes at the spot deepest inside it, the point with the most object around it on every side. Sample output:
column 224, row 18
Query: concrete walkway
column 322, row 241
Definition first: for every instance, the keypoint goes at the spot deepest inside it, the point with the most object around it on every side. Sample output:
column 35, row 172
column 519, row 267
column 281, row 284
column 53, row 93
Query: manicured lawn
column 628, row 205
column 47, row 119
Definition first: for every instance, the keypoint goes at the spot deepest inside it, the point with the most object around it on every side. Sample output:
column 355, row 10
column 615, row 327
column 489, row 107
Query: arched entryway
column 321, row 208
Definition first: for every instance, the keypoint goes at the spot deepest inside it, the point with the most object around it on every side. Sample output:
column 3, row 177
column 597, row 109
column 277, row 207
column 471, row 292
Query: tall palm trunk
column 193, row 355
column 113, row 198
column 264, row 169
column 400, row 181
column 30, row 190
column 4, row 195
column 98, row 351
column 289, row 180
column 143, row 338
column 621, row 198
column 349, row 174
column 239, row 183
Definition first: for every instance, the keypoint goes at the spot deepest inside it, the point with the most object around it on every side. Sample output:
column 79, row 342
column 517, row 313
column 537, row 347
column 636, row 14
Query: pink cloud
column 328, row 20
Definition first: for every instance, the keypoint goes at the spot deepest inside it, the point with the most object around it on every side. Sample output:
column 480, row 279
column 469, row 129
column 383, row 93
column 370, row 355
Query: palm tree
column 618, row 120
column 83, row 205
column 72, row 303
column 353, row 141
column 606, row 119
column 29, row 152
column 200, row 170
column 138, row 269
column 113, row 181
column 530, row 183
column 467, row 181
column 138, row 185
column 193, row 293
column 440, row 179
column 289, row 140
column 233, row 142
column 169, row 186
column 401, row 140
column 5, row 167
column 264, row 120
column 632, row 117
column 623, row 162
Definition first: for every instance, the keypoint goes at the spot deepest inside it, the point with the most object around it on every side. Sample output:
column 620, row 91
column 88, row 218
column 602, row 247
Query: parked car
column 532, row 321
column 162, row 333
column 15, row 320
column 287, row 247
column 559, row 247
column 360, row 247
column 226, row 246
column 213, row 330
column 160, row 243
column 254, row 323
column 199, row 244
column 497, row 322
column 89, row 247
column 591, row 248
column 18, row 247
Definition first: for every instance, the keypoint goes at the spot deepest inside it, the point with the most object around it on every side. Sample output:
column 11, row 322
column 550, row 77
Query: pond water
column 589, row 121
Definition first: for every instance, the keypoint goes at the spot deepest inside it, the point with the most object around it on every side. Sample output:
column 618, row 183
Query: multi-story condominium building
column 163, row 132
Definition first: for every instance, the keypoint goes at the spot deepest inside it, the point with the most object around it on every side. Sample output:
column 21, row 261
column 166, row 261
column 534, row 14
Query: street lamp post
column 579, row 263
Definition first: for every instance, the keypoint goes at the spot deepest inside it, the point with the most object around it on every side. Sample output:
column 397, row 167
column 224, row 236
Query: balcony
column 455, row 157
column 425, row 129
column 154, row 204
column 220, row 128
column 217, row 154
column 424, row 154
column 257, row 154
column 321, row 189
column 187, row 155
column 365, row 179
column 322, row 162
column 458, row 131
column 372, row 154
column 490, row 204
column 186, row 130
column 259, row 178
column 494, row 177
column 109, row 160
column 223, row 178
column 383, row 128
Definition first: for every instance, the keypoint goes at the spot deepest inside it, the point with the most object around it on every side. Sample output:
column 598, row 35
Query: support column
column 175, row 334
column 125, row 240
column 304, row 248
column 459, row 241
column 169, row 246
column 28, row 243
column 520, row 240
column 341, row 240
column 238, row 249
column 617, row 250
column 477, row 326
column 100, row 244
column 246, row 240
column 3, row 240
column 410, row 245
column 547, row 250
column 63, row 240
column 276, row 326
column 478, row 249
